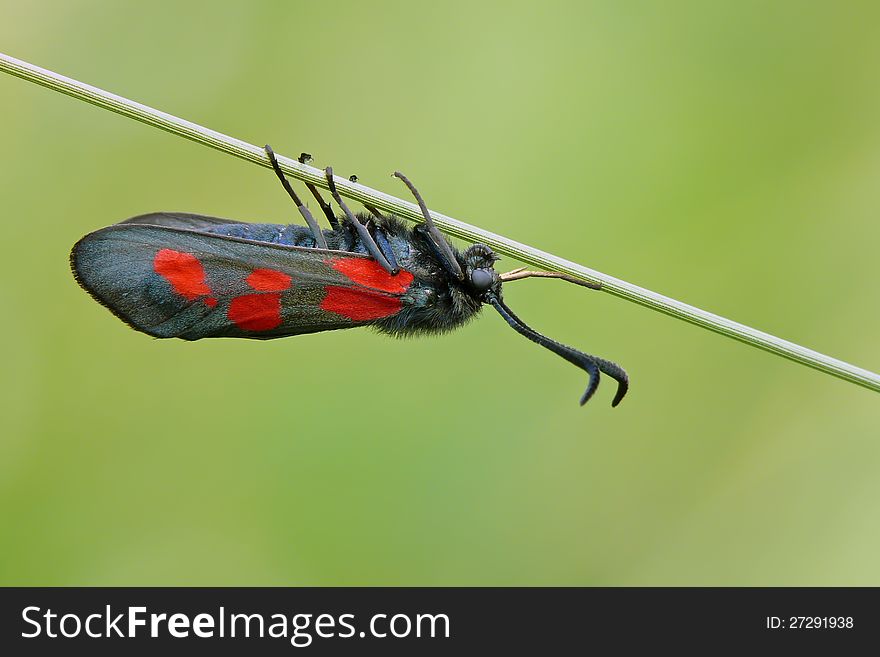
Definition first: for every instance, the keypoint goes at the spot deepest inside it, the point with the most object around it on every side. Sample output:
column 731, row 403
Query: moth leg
column 325, row 207
column 320, row 242
column 379, row 234
column 373, row 210
column 385, row 246
column 367, row 239
column 441, row 246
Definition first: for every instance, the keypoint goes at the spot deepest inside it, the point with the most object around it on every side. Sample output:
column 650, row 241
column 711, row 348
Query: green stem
column 363, row 194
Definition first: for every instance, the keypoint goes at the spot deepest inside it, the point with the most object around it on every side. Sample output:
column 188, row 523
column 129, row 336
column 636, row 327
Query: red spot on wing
column 364, row 271
column 359, row 305
column 260, row 312
column 210, row 302
column 183, row 271
column 268, row 280
column 255, row 312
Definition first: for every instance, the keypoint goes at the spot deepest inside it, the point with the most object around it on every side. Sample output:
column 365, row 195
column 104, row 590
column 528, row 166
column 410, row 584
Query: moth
column 178, row 275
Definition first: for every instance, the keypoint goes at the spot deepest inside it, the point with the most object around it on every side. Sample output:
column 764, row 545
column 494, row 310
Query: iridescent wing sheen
column 176, row 280
column 183, row 220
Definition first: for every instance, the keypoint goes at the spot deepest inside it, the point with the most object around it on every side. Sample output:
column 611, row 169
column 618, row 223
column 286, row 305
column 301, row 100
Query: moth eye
column 482, row 279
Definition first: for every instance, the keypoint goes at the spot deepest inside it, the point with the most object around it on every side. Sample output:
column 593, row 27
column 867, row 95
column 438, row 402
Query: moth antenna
column 590, row 364
column 522, row 272
column 440, row 244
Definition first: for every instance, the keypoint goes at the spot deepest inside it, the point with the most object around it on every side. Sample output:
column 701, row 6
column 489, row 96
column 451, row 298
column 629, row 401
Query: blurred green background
column 726, row 154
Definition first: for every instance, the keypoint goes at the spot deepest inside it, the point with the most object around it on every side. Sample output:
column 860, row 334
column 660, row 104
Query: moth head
column 479, row 270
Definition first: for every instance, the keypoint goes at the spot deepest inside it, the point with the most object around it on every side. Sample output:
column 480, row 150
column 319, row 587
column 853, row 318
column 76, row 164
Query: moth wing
column 183, row 220
column 173, row 282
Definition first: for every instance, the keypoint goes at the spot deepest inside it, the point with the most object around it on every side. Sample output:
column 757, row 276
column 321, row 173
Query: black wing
column 178, row 282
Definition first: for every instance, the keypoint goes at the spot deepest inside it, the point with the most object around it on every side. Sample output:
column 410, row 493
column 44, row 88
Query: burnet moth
column 177, row 275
